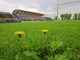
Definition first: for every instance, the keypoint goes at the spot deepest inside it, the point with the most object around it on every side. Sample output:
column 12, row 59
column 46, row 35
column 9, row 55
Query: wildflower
column 44, row 37
column 44, row 31
column 19, row 33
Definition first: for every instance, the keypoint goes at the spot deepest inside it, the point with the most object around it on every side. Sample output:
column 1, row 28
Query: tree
column 62, row 16
column 56, row 17
column 69, row 16
column 66, row 16
column 78, row 16
column 75, row 16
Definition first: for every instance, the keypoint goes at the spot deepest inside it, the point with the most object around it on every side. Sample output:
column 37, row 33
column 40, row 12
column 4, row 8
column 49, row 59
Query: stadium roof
column 5, row 15
column 29, row 12
column 4, row 12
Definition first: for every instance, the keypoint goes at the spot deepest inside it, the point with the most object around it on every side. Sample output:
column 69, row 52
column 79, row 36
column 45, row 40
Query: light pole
column 57, row 9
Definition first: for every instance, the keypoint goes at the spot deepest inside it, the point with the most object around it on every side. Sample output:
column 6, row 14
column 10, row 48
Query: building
column 6, row 17
column 27, row 15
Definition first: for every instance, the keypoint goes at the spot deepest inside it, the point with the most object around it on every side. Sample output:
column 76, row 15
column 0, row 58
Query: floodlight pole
column 57, row 9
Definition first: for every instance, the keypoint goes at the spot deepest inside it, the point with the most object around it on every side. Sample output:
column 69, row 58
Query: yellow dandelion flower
column 44, row 31
column 19, row 33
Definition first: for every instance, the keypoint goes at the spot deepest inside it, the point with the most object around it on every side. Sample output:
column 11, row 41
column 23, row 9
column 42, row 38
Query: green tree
column 66, row 16
column 62, row 16
column 56, row 17
column 78, row 16
column 69, row 16
column 75, row 17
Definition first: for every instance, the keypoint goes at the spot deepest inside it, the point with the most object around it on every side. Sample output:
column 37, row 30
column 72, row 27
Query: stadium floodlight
column 57, row 9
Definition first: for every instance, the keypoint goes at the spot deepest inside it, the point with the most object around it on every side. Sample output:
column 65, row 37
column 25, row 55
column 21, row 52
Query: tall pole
column 57, row 9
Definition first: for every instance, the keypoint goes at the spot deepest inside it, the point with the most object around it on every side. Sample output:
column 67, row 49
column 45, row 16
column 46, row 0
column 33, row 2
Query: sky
column 41, row 6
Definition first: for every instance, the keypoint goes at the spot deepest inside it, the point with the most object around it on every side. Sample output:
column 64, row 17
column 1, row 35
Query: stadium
column 20, row 15
column 28, row 35
column 26, row 15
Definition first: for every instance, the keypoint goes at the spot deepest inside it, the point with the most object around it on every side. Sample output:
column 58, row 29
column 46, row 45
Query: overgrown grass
column 63, row 40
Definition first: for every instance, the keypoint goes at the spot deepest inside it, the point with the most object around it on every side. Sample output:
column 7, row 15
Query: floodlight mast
column 57, row 9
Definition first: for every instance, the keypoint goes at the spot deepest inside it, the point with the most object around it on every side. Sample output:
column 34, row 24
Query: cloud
column 36, row 5
column 7, row 7
column 43, row 6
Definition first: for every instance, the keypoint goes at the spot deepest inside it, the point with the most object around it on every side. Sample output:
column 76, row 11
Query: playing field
column 63, row 38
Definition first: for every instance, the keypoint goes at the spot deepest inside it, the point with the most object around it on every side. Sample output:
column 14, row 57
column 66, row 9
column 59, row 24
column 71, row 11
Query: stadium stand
column 20, row 15
column 27, row 15
column 6, row 17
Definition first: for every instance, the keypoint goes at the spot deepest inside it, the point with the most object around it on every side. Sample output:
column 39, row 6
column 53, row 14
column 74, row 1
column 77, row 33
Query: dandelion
column 44, row 31
column 20, row 41
column 44, row 37
column 19, row 33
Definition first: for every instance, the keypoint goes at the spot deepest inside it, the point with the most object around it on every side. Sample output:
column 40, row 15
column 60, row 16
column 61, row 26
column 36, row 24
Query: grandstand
column 6, row 17
column 27, row 15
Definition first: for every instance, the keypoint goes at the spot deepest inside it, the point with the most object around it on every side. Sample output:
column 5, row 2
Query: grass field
column 62, row 41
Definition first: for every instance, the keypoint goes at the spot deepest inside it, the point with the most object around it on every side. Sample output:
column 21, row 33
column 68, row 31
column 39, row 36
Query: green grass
column 67, row 32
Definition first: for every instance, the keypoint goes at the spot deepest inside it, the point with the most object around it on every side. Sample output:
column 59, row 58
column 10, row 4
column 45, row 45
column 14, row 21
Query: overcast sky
column 44, row 6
